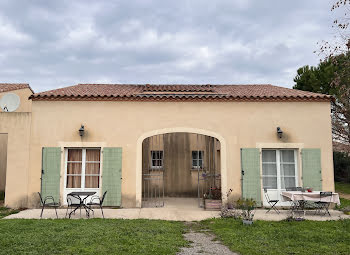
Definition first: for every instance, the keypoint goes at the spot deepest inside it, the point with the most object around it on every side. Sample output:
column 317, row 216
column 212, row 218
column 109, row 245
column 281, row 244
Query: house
column 142, row 143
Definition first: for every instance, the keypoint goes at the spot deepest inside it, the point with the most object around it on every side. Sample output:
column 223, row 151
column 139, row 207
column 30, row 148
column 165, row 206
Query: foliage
column 344, row 206
column 213, row 193
column 264, row 237
column 341, row 163
column 332, row 75
column 316, row 78
column 230, row 213
column 342, row 187
column 247, row 206
column 4, row 211
column 94, row 236
column 2, row 195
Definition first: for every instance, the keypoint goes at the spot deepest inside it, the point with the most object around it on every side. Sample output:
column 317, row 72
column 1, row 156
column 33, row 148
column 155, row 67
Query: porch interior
column 179, row 169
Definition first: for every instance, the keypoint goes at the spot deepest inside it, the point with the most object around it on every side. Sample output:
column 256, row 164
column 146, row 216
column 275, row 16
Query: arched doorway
column 180, row 165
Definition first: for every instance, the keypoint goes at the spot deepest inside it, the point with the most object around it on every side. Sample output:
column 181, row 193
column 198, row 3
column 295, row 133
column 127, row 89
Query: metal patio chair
column 271, row 202
column 99, row 202
column 48, row 201
column 322, row 205
column 73, row 203
column 298, row 206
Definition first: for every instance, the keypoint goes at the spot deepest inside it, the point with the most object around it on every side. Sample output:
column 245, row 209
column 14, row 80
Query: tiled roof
column 178, row 92
column 5, row 87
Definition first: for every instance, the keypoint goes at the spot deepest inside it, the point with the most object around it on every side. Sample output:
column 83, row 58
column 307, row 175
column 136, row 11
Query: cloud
column 59, row 43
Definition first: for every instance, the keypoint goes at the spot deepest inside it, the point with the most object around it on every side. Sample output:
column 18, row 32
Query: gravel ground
column 202, row 243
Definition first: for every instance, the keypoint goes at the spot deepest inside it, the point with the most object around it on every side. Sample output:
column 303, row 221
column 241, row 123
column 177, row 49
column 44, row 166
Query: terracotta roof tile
column 177, row 92
column 5, row 87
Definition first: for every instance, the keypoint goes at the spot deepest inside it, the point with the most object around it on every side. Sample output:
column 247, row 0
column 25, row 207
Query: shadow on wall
column 34, row 200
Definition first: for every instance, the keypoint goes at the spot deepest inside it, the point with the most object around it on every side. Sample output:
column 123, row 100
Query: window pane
column 270, row 182
column 287, row 182
column 201, row 163
column 92, row 182
column 288, row 169
column 73, row 168
column 93, row 155
column 268, row 156
column 73, row 181
column 269, row 169
column 157, row 158
column 75, row 155
column 92, row 168
column 194, row 154
column 201, row 155
column 287, row 156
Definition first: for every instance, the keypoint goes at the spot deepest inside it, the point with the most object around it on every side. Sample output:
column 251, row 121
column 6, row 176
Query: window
column 83, row 168
column 279, row 169
column 157, row 159
column 269, row 169
column 197, row 159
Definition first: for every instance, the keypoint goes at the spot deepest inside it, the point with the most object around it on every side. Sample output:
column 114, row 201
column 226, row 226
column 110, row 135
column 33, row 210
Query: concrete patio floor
column 167, row 214
column 176, row 209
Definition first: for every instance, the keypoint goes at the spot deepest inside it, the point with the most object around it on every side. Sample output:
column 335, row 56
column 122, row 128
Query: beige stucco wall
column 16, row 127
column 3, row 160
column 121, row 124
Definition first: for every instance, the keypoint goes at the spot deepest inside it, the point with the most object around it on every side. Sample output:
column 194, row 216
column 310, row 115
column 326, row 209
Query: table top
column 82, row 193
column 310, row 196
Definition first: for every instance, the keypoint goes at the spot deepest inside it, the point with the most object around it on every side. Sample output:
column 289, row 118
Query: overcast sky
column 52, row 44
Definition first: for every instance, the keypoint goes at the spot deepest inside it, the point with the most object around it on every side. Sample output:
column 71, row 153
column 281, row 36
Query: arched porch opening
column 180, row 164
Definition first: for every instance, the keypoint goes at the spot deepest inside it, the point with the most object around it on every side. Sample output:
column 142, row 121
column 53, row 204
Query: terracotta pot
column 212, row 204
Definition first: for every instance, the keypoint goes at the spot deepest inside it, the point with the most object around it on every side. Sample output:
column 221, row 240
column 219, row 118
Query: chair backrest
column 41, row 198
column 300, row 189
column 72, row 200
column 266, row 195
column 325, row 194
column 103, row 197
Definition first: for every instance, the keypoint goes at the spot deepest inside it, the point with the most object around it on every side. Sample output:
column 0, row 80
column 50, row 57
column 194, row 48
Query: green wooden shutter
column 112, row 176
column 311, row 164
column 251, row 182
column 50, row 173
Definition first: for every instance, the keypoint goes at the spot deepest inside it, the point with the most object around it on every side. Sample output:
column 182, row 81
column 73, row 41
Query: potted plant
column 212, row 199
column 247, row 206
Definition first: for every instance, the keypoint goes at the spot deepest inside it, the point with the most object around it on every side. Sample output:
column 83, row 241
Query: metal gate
column 207, row 181
column 153, row 189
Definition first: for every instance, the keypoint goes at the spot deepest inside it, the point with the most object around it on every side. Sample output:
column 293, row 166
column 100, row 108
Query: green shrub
column 341, row 163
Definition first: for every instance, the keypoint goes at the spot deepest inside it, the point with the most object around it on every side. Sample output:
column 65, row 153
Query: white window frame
column 161, row 160
column 278, row 164
column 198, row 160
column 83, row 162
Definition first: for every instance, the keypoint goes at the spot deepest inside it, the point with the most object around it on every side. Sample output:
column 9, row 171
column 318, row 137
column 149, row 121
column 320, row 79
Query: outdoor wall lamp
column 81, row 130
column 279, row 132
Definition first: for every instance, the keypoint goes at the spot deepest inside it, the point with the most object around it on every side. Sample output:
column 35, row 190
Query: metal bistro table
column 299, row 199
column 81, row 196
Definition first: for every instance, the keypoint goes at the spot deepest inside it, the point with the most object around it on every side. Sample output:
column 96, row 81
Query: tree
column 332, row 75
column 316, row 79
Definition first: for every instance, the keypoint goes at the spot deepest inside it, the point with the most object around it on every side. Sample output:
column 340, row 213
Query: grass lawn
column 342, row 187
column 95, row 236
column 263, row 237
column 6, row 211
